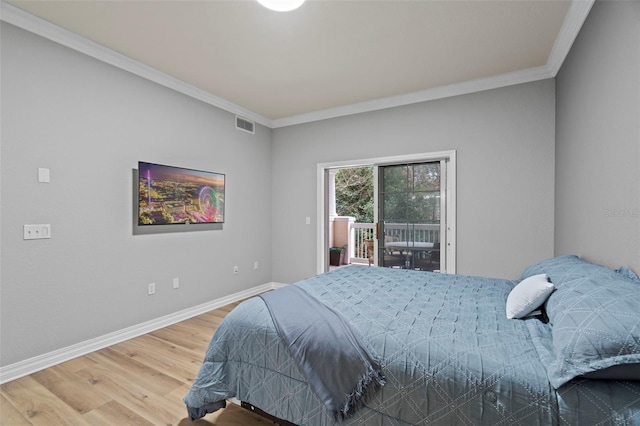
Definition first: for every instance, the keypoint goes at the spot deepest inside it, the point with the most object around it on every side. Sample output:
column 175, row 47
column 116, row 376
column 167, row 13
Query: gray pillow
column 596, row 325
column 564, row 269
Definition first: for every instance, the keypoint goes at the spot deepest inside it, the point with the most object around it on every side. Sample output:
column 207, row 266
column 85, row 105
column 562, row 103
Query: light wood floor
column 137, row 382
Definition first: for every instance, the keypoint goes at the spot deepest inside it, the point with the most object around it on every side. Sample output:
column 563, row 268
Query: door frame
column 323, row 208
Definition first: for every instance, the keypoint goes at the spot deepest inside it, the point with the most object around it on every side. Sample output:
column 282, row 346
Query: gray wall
column 598, row 139
column 90, row 123
column 505, row 142
column 520, row 167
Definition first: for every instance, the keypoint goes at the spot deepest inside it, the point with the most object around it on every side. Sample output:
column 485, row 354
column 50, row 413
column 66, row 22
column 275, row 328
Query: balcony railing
column 357, row 234
column 412, row 232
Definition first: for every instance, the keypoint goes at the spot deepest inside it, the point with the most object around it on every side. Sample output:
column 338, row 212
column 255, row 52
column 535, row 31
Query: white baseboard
column 40, row 362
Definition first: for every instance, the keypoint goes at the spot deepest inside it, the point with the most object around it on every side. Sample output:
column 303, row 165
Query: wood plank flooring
column 137, row 382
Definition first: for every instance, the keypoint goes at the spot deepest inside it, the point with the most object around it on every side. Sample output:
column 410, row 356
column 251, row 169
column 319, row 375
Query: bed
column 447, row 350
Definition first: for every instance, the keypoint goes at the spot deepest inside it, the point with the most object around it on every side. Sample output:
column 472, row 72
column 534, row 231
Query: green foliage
column 354, row 193
column 411, row 193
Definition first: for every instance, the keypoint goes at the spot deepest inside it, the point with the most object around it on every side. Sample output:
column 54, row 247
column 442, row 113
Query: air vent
column 245, row 125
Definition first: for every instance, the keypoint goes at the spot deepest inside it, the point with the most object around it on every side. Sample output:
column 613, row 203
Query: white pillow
column 528, row 295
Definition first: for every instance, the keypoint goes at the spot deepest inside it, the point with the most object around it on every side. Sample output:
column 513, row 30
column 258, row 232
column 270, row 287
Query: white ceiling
column 329, row 55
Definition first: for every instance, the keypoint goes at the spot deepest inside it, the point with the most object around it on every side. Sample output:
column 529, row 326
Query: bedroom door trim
column 323, row 208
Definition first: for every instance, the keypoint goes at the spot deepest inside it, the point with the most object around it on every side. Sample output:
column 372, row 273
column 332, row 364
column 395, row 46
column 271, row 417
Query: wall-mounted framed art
column 177, row 199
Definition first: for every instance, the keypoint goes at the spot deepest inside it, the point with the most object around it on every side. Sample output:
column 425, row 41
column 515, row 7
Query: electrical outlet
column 37, row 232
column 176, row 283
column 255, row 265
column 152, row 288
column 235, row 270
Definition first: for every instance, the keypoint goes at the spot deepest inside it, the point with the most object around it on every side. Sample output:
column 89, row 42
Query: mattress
column 449, row 354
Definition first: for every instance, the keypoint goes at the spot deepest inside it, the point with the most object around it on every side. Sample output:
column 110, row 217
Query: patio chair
column 434, row 253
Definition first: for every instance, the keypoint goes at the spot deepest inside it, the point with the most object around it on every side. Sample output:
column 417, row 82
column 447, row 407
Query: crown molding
column 472, row 86
column 577, row 14
column 573, row 21
column 18, row 17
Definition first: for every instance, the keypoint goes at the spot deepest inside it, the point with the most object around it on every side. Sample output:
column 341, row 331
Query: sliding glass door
column 411, row 215
column 414, row 213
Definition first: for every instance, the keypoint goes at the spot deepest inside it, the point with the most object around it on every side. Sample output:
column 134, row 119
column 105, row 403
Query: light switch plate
column 44, row 176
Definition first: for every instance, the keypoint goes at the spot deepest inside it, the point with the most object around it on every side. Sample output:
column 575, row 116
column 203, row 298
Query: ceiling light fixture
column 281, row 5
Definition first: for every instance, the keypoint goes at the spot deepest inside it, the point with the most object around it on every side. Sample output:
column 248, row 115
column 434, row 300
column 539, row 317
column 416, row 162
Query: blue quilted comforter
column 449, row 354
